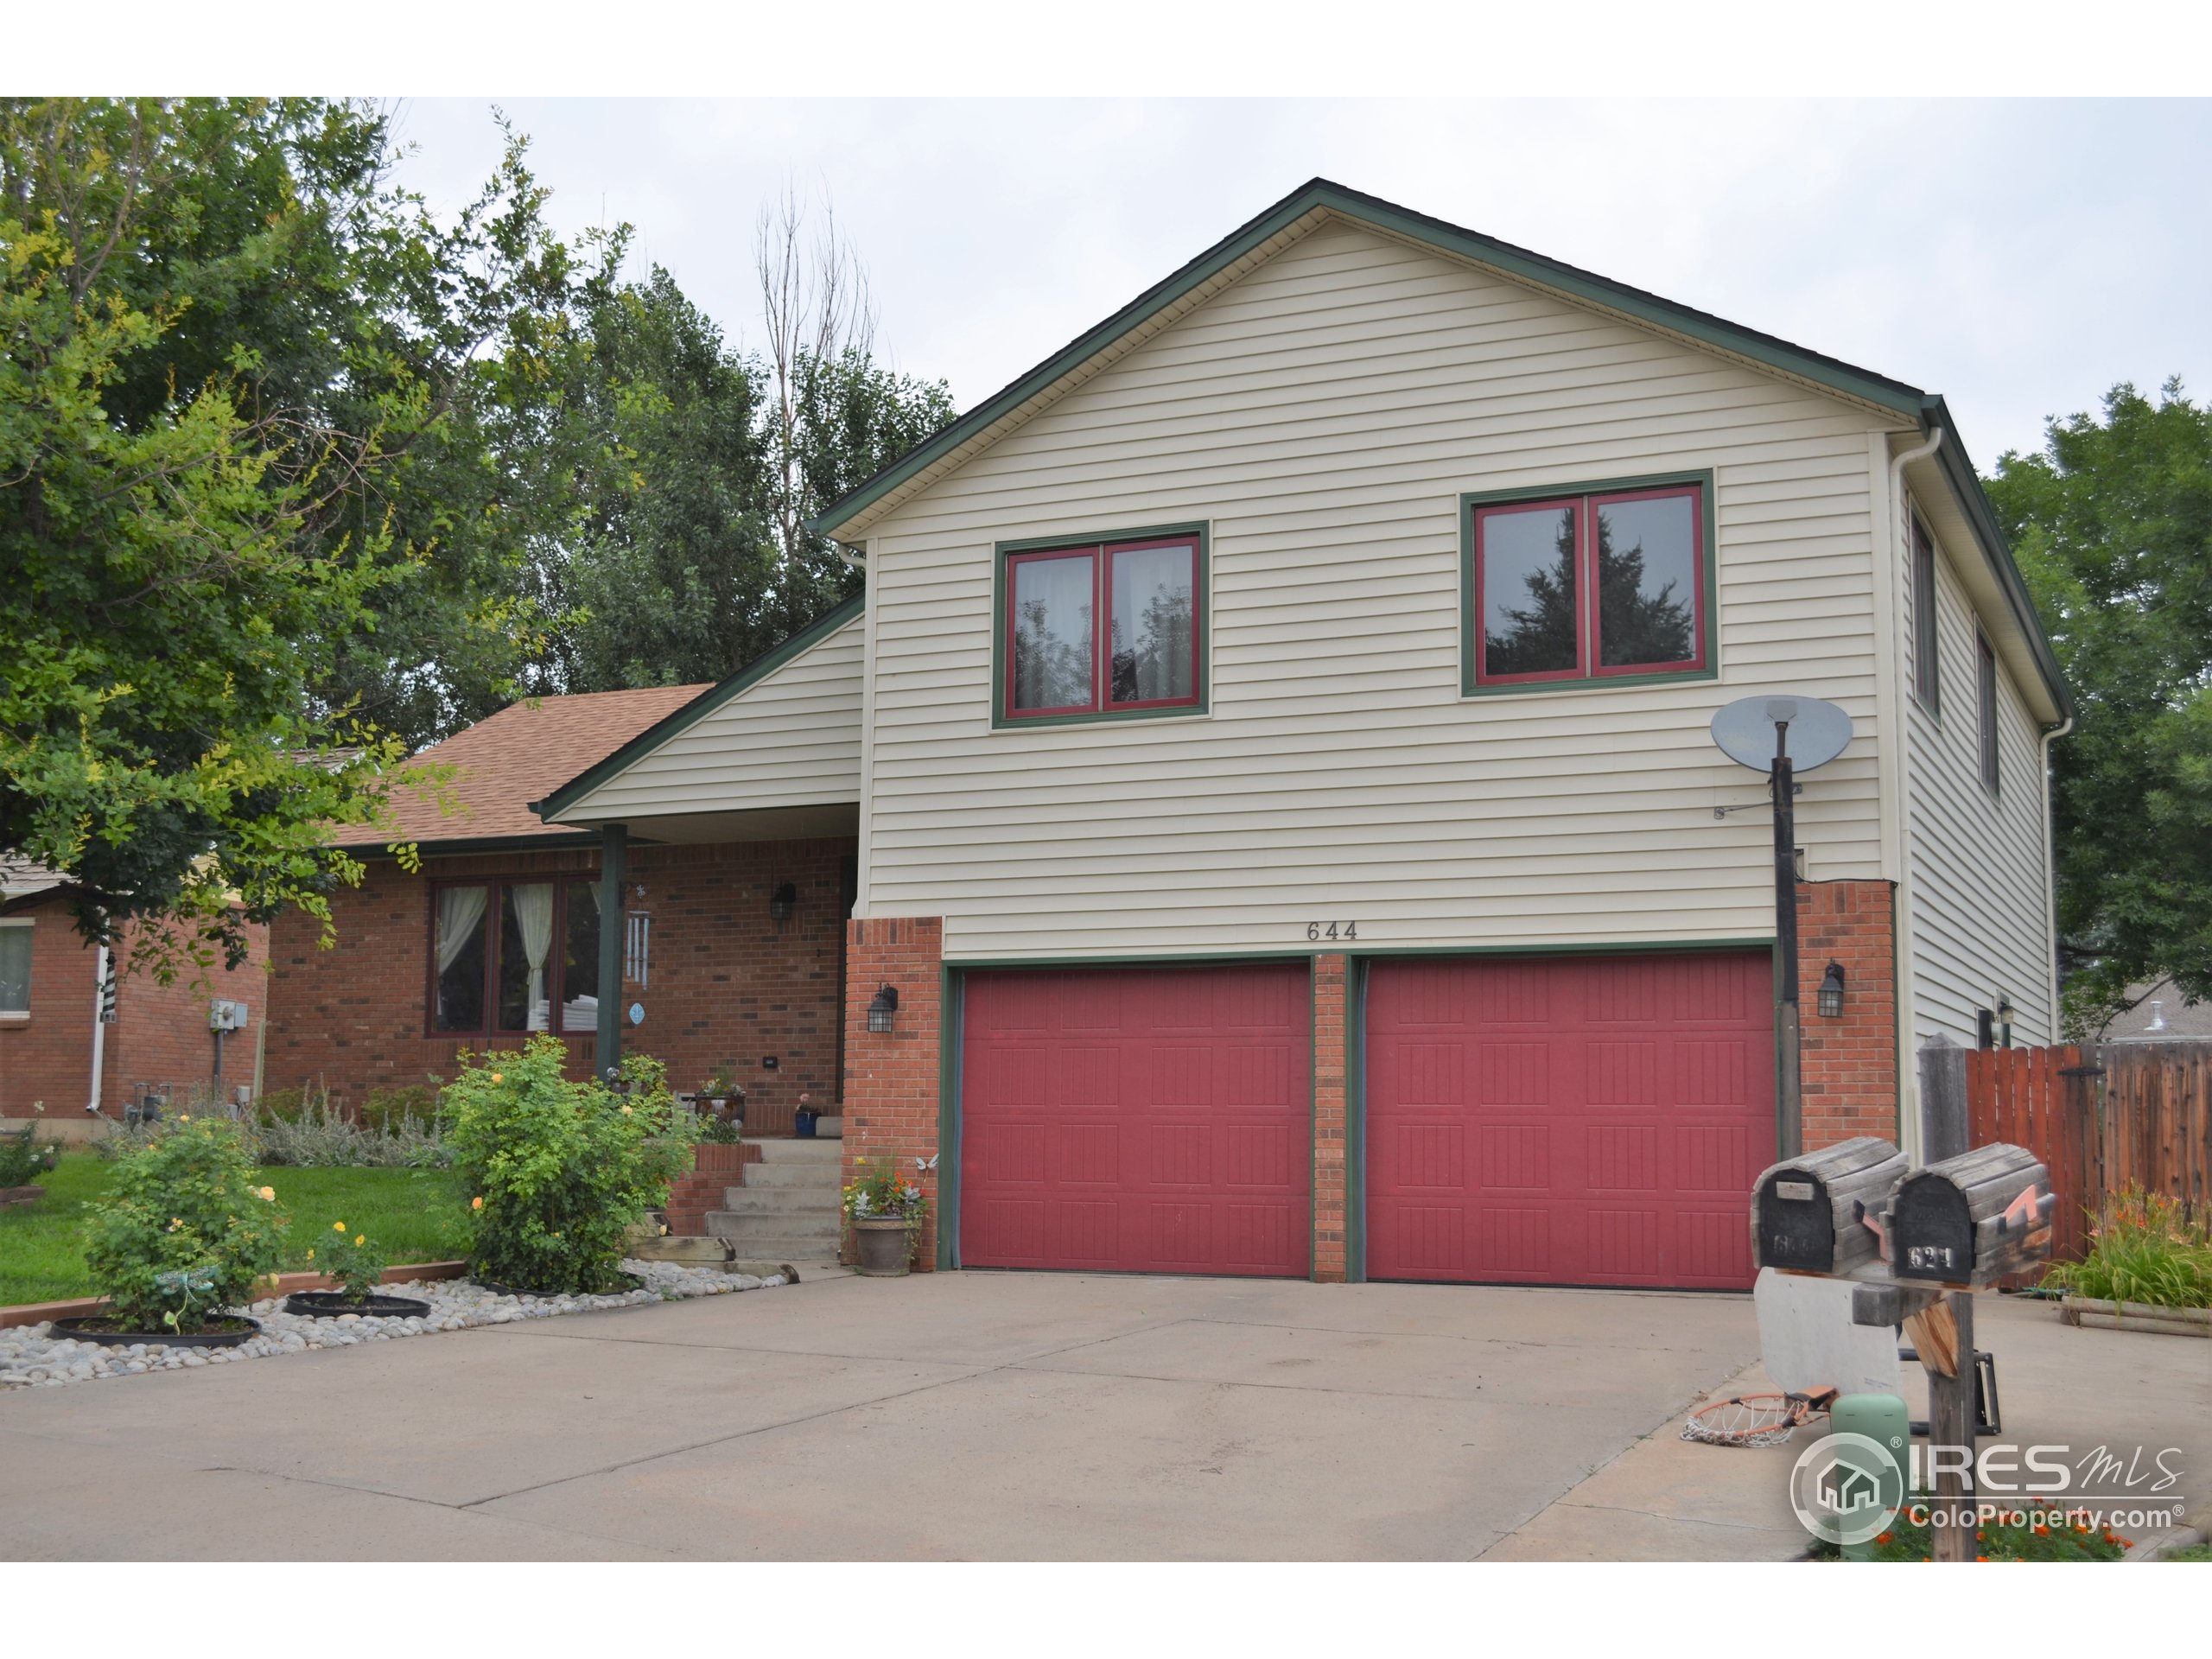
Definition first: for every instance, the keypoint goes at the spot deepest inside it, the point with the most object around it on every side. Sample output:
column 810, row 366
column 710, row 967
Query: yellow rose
column 625, row 1108
column 496, row 1077
column 310, row 1256
column 360, row 1240
column 269, row 1193
column 184, row 1117
column 337, row 1226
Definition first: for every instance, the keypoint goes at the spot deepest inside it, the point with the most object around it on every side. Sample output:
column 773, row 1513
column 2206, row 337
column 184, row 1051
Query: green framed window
column 1106, row 627
column 1927, row 609
column 1602, row 583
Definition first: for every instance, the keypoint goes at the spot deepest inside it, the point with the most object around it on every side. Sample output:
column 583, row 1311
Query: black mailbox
column 1808, row 1215
column 1970, row 1220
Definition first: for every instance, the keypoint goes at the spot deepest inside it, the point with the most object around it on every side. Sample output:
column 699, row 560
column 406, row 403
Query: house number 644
column 1332, row 931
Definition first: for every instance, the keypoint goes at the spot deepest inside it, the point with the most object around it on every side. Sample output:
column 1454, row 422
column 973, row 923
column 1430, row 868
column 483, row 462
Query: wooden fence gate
column 2102, row 1118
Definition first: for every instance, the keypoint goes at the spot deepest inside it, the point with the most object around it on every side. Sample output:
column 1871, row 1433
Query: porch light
column 2004, row 1021
column 1832, row 992
column 883, row 1009
column 783, row 902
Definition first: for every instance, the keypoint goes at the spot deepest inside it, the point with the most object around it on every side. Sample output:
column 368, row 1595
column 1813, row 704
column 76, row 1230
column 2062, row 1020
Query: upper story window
column 1608, row 582
column 15, row 967
column 1105, row 627
column 1925, row 678
column 1986, row 689
column 515, row 956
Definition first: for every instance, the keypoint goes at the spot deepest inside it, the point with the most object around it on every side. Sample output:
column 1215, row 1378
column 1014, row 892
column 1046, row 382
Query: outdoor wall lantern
column 783, row 902
column 2004, row 1021
column 1832, row 992
column 884, row 1009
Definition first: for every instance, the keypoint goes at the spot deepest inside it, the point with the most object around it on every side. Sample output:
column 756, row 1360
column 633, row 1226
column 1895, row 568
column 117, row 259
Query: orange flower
column 476, row 1204
column 2043, row 1532
column 1885, row 1537
column 496, row 1077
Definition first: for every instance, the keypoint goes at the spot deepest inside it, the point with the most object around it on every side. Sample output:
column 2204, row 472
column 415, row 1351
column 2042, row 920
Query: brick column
column 1849, row 1064
column 1330, row 976
column 890, row 1078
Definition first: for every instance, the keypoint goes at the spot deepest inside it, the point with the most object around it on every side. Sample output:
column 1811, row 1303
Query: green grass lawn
column 417, row 1215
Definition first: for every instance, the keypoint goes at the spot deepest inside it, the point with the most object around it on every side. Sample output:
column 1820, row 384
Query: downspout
column 99, row 1027
column 858, row 560
column 1903, row 942
column 2050, row 733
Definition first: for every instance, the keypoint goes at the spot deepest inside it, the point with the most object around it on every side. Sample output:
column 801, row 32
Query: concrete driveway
column 973, row 1415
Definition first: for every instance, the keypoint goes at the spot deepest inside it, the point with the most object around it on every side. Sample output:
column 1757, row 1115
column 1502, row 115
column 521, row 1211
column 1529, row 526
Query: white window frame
column 20, row 1016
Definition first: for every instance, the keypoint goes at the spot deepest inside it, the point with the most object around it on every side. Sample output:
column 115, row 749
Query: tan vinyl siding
column 1323, row 416
column 1980, row 917
column 791, row 739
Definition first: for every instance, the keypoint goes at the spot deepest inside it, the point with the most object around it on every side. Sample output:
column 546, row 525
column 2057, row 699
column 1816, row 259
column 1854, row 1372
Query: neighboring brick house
column 499, row 935
column 58, row 1054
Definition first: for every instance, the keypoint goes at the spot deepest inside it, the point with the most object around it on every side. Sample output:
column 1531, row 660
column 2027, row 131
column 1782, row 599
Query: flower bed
column 31, row 1357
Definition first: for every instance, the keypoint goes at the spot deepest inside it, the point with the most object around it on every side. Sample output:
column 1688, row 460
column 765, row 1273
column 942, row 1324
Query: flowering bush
column 23, row 1161
column 2145, row 1248
column 560, row 1170
column 356, row 1264
column 183, row 1231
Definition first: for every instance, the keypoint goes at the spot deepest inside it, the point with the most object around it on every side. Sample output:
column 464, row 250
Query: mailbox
column 1808, row 1215
column 1970, row 1220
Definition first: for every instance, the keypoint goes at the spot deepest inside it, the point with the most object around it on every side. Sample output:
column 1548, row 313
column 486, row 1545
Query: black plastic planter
column 332, row 1304
column 101, row 1328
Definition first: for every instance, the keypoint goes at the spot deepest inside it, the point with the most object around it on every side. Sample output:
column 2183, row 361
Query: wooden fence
column 2102, row 1119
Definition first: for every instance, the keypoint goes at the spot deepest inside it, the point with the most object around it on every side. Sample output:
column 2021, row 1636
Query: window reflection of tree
column 1156, row 664
column 1541, row 637
column 1050, row 669
column 1634, row 627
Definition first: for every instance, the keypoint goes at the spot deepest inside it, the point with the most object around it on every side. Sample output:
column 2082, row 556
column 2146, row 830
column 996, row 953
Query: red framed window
column 1110, row 627
column 1591, row 587
column 514, row 955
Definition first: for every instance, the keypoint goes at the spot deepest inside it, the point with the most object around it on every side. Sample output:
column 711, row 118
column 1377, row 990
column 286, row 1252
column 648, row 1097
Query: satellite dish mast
column 1782, row 736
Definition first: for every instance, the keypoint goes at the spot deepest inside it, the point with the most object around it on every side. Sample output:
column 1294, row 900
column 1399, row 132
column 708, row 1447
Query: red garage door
column 1137, row 1120
column 1568, row 1121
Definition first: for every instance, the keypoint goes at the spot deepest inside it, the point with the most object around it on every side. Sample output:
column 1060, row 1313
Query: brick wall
column 159, row 1035
column 729, row 985
column 890, row 1078
column 1329, row 1073
column 1850, row 1065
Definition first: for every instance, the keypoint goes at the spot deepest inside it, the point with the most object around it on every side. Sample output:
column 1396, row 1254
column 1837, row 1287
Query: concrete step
column 800, row 1151
column 757, row 1244
column 779, row 1201
column 829, row 1129
column 803, row 1178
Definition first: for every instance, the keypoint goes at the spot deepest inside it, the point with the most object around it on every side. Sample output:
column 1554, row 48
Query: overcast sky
column 2018, row 258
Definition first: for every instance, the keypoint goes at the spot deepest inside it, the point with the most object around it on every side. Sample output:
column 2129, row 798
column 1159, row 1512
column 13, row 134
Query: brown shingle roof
column 519, row 756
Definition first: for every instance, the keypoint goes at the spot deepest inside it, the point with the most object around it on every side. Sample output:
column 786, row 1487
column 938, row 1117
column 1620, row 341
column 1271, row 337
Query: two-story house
column 1290, row 840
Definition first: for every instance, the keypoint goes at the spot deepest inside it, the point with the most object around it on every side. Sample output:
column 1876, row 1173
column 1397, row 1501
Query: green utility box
column 1882, row 1419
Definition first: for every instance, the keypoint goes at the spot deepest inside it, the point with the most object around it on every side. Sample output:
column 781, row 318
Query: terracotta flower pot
column 881, row 1249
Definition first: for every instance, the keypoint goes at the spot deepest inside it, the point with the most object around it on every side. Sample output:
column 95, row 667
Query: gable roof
column 1313, row 203
column 703, row 701
column 507, row 759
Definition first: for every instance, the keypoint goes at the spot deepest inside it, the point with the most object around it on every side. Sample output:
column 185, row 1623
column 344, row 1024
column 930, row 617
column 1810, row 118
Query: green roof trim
column 1320, row 195
column 698, row 708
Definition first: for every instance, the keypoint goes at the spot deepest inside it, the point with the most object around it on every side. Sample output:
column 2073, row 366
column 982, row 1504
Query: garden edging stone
column 31, row 1355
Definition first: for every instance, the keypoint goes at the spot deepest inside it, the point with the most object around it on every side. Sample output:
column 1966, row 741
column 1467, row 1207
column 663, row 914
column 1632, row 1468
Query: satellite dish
column 1744, row 731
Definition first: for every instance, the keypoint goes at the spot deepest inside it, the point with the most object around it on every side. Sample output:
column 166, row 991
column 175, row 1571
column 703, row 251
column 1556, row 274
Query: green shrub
column 318, row 1135
column 557, row 1170
column 289, row 1105
column 23, row 1161
column 2145, row 1248
column 387, row 1109
column 183, row 1231
column 356, row 1264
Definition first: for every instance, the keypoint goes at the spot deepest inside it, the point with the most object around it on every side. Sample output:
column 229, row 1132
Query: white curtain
column 460, row 909
column 534, row 917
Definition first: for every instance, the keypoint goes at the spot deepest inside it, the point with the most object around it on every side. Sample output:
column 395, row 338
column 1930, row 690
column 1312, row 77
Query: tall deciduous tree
column 2112, row 525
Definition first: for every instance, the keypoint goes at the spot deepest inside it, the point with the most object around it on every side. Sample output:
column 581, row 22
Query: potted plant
column 804, row 1119
column 182, row 1235
column 357, row 1266
column 886, row 1210
column 722, row 1108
